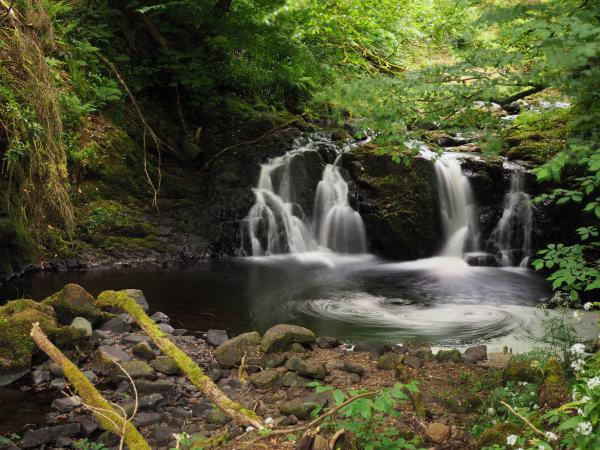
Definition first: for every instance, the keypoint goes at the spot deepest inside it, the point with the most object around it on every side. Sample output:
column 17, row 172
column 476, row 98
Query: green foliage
column 369, row 418
column 87, row 444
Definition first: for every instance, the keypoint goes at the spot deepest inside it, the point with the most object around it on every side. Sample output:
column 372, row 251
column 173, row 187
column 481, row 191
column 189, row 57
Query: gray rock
column 111, row 353
column 144, row 419
column 294, row 363
column 89, row 425
column 180, row 332
column 352, row 367
column 135, row 339
column 81, row 323
column 116, row 325
column 63, row 442
column 373, row 347
column 91, row 376
column 281, row 337
column 10, row 376
column 143, row 351
column 354, row 377
column 327, row 342
column 266, row 378
column 413, row 361
column 136, row 369
column 273, row 360
column 151, row 400
column 38, row 376
column 100, row 335
column 56, row 370
column 214, row 374
column 58, row 384
column 477, row 353
column 163, row 434
column 216, row 337
column 313, row 369
column 166, row 328
column 298, row 348
column 301, row 407
column 46, row 435
column 65, row 404
column 290, row 379
column 231, row 352
column 160, row 317
column 166, row 365
column 148, row 387
column 448, row 356
column 139, row 298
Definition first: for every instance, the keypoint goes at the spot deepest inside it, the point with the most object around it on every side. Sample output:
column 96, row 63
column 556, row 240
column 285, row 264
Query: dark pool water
column 352, row 297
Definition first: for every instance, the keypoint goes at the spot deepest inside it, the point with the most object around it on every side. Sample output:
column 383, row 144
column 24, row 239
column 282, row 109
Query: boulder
column 281, row 337
column 294, row 363
column 413, row 361
column 81, row 323
column 301, row 407
column 313, row 369
column 160, row 317
column 373, row 347
column 448, row 356
column 273, row 360
column 327, row 342
column 166, row 365
column 265, row 379
column 216, row 337
column 47, row 435
column 290, row 379
column 231, row 352
column 136, row 369
column 352, row 367
column 388, row 361
column 477, row 353
column 74, row 301
column 416, row 347
column 438, row 432
column 143, row 351
column 298, row 348
column 116, row 325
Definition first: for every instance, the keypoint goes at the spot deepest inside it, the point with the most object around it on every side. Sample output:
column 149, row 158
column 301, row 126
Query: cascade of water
column 458, row 208
column 338, row 226
column 277, row 224
column 512, row 235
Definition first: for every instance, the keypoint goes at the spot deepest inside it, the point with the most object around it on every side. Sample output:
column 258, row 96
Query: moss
column 74, row 301
column 497, row 435
column 16, row 248
column 519, row 370
column 190, row 369
column 553, row 391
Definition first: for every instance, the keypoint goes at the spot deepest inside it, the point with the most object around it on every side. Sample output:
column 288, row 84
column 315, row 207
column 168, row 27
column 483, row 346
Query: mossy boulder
column 17, row 347
column 231, row 352
column 301, row 407
column 553, row 391
column 497, row 435
column 521, row 370
column 448, row 356
column 281, row 337
column 74, row 301
column 135, row 368
column 166, row 365
column 388, row 361
column 266, row 378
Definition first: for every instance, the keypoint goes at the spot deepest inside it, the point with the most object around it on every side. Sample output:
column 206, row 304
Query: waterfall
column 512, row 235
column 457, row 205
column 277, row 224
column 338, row 226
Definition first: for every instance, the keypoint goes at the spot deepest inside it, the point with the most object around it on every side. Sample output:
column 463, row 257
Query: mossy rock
column 231, row 352
column 281, row 337
column 448, row 356
column 521, row 370
column 553, row 391
column 266, row 378
column 217, row 417
column 497, row 435
column 388, row 361
column 300, row 407
column 74, row 301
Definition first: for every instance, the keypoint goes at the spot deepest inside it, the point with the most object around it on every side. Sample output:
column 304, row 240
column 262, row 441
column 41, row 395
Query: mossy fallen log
column 109, row 418
column 191, row 370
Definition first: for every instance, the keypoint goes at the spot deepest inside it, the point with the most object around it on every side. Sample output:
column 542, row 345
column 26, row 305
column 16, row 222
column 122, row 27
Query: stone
column 327, row 342
column 438, row 432
column 478, row 353
column 217, row 417
column 56, row 369
column 116, row 325
column 352, row 367
column 58, row 384
column 216, row 337
column 294, row 363
column 320, row 443
column 299, row 407
column 416, row 347
column 163, row 434
column 354, row 377
column 106, row 355
column 388, row 361
column 139, row 298
column 373, row 347
column 166, row 365
column 265, row 379
column 144, row 419
column 151, row 400
column 89, row 425
column 413, row 361
column 313, row 369
column 481, row 260
column 100, row 335
column 65, row 404
column 82, row 323
column 149, row 387
column 180, row 332
column 448, row 356
column 290, row 379
column 214, row 374
column 230, row 353
column 37, row 376
column 166, row 328
column 298, row 348
column 135, row 339
column 270, row 361
column 74, row 301
column 281, row 337
column 143, row 351
column 136, row 369
column 46, row 435
column 160, row 317
column 91, row 376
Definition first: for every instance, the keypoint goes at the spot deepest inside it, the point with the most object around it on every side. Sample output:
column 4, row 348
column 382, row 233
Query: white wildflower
column 584, row 428
column 520, row 448
column 584, row 399
column 249, row 429
column 593, row 382
column 588, row 306
column 269, row 420
column 578, row 349
column 577, row 365
column 536, row 406
column 551, row 436
column 511, row 439
column 523, row 383
column 577, row 315
column 580, row 411
column 491, row 411
column 541, row 447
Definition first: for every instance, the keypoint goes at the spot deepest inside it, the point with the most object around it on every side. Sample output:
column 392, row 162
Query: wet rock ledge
column 268, row 374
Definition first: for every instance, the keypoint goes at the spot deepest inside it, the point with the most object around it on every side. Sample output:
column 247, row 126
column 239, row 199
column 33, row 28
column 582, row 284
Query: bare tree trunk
column 110, row 419
column 191, row 370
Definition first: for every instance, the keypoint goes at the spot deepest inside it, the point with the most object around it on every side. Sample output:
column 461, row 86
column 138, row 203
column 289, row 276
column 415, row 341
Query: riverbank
column 274, row 374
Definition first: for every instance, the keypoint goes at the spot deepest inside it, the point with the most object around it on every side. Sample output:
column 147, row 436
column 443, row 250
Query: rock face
column 74, row 301
column 281, row 337
column 398, row 203
column 231, row 352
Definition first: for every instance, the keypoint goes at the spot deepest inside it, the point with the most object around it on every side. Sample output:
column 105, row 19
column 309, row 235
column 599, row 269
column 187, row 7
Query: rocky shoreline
column 268, row 374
